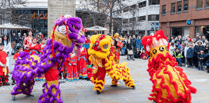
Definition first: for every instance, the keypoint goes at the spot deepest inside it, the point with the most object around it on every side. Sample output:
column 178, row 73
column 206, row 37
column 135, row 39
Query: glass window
column 153, row 17
column 126, row 9
column 179, row 6
column 186, row 4
column 133, row 7
column 141, row 18
column 142, row 4
column 163, row 9
column 125, row 21
column 173, row 7
column 207, row 3
column 133, row 19
column 154, row 2
column 199, row 3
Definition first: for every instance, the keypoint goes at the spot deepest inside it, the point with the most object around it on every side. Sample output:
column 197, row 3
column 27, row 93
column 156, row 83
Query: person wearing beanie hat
column 197, row 49
column 3, row 67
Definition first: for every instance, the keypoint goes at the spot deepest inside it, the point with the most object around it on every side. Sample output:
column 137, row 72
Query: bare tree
column 9, row 12
column 110, row 8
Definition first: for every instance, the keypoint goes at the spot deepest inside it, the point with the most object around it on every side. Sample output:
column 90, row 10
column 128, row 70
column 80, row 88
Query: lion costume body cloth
column 65, row 35
column 170, row 83
column 103, row 59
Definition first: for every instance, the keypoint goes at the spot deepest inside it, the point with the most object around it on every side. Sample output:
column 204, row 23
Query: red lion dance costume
column 170, row 83
column 103, row 60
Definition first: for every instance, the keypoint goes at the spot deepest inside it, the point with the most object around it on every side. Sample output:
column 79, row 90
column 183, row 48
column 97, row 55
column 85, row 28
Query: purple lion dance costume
column 66, row 34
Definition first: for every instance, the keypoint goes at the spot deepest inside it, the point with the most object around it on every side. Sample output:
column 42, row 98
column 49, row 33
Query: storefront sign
column 189, row 22
column 39, row 16
column 57, row 8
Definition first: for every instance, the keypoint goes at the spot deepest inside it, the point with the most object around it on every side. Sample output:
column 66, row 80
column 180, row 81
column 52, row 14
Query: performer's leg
column 129, row 82
column 70, row 73
column 114, row 82
column 51, row 91
column 75, row 72
column 98, row 80
column 84, row 70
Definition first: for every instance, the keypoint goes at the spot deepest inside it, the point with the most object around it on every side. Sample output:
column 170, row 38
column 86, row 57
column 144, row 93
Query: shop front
column 202, row 30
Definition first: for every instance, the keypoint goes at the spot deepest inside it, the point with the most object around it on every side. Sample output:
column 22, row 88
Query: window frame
column 206, row 7
column 187, row 6
column 162, row 10
column 178, row 12
column 174, row 8
column 197, row 5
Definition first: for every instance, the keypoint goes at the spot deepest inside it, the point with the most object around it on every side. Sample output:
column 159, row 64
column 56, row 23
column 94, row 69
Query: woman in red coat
column 34, row 48
column 3, row 67
column 72, row 67
column 82, row 60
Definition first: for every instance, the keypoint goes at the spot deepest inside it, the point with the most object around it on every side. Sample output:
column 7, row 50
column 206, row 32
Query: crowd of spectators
column 19, row 40
column 133, row 48
column 190, row 52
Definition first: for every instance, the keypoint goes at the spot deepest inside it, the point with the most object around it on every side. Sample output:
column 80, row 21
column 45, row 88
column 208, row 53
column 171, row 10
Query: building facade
column 140, row 17
column 38, row 11
column 184, row 17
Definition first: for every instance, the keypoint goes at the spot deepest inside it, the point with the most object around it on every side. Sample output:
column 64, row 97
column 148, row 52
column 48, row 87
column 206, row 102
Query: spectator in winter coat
column 14, row 38
column 206, row 48
column 172, row 48
column 123, row 50
column 130, row 48
column 178, row 55
column 138, row 43
column 200, row 57
column 197, row 49
column 203, row 39
column 189, row 55
column 133, row 40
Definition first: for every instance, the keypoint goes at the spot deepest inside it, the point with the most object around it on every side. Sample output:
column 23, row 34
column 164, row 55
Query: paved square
column 82, row 91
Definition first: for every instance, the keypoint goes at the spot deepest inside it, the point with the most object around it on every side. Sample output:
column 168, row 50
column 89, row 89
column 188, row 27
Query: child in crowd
column 189, row 55
column 72, row 67
column 3, row 67
column 82, row 61
column 143, row 54
column 19, row 49
column 200, row 57
column 178, row 55
column 34, row 47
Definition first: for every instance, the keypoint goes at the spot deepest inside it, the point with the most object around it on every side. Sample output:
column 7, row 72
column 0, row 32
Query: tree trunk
column 110, row 25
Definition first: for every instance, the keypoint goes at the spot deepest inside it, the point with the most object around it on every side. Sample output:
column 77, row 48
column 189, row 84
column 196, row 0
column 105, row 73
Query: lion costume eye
column 161, row 49
column 154, row 51
column 105, row 46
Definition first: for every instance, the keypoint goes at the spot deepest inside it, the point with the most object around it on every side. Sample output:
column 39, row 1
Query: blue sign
column 189, row 22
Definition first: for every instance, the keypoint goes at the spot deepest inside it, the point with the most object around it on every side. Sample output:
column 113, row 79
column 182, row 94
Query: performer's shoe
column 30, row 95
column 13, row 97
column 114, row 85
column 134, row 87
column 98, row 92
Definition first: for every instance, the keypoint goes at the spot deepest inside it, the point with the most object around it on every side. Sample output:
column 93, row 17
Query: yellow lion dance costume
column 170, row 83
column 103, row 59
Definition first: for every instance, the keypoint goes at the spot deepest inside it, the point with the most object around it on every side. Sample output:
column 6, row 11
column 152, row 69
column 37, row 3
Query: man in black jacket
column 197, row 49
column 133, row 40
